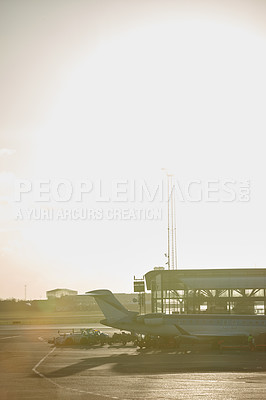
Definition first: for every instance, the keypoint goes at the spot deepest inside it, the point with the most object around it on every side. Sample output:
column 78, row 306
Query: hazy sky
column 108, row 91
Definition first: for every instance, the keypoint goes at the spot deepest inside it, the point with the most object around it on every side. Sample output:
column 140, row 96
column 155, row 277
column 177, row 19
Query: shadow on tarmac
column 165, row 362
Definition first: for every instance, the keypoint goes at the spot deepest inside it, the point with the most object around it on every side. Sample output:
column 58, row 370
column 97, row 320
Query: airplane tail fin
column 112, row 309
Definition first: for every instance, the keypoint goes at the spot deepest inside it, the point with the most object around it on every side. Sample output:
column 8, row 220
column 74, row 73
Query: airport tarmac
column 33, row 369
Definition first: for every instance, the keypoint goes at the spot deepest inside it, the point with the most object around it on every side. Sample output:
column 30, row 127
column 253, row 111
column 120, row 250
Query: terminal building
column 217, row 291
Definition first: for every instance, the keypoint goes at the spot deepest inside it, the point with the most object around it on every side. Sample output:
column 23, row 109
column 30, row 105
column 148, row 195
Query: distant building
column 57, row 293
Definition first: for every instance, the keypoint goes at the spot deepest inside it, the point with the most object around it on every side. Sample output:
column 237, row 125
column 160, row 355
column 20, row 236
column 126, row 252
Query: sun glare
column 165, row 78
column 195, row 78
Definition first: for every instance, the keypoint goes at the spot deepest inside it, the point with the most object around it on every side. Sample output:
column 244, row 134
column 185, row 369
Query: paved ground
column 32, row 369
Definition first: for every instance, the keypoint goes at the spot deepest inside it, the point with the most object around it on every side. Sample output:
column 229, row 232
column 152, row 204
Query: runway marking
column 9, row 337
column 34, row 369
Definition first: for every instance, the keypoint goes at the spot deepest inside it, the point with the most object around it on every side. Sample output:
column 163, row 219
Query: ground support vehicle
column 122, row 338
column 86, row 336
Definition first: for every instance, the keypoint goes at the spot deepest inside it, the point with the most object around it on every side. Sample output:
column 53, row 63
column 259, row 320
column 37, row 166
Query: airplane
column 188, row 326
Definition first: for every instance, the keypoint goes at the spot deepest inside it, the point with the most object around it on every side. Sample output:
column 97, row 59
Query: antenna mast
column 171, row 223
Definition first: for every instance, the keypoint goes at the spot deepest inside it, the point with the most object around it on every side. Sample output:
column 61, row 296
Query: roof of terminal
column 223, row 278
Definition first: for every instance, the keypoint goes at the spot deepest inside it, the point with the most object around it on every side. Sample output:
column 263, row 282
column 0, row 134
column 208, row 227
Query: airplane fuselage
column 196, row 325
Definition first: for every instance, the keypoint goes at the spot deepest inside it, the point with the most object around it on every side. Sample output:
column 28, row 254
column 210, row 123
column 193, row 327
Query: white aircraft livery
column 194, row 326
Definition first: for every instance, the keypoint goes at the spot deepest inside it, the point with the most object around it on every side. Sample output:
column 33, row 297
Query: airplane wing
column 188, row 335
column 183, row 332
